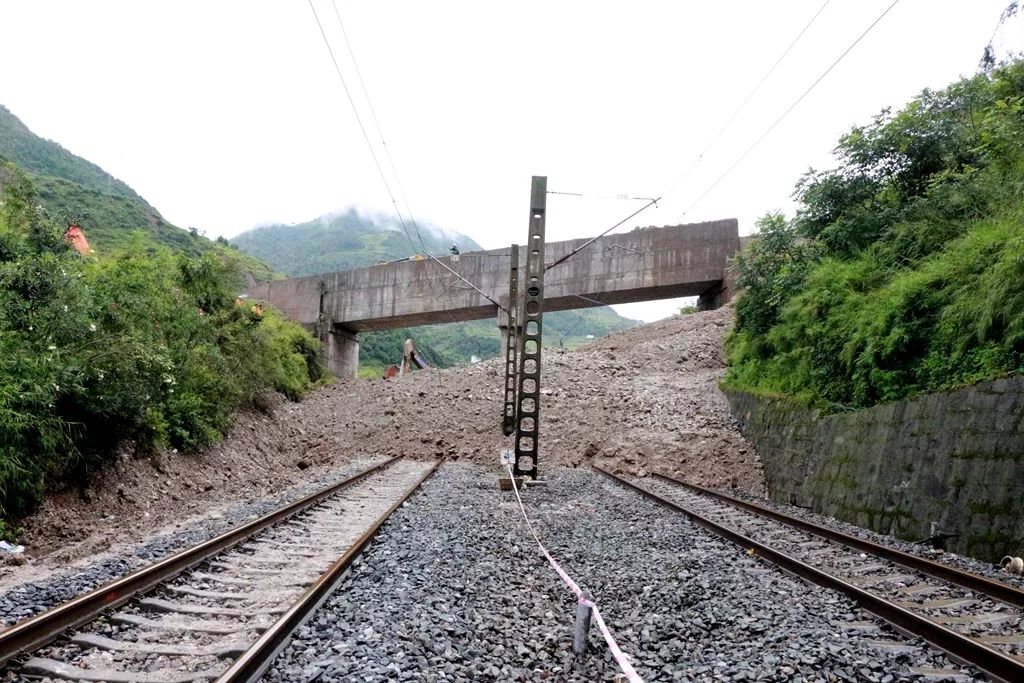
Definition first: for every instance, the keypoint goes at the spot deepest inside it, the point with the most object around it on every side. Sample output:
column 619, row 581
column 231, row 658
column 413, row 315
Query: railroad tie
column 212, row 627
column 55, row 669
column 158, row 605
column 222, row 649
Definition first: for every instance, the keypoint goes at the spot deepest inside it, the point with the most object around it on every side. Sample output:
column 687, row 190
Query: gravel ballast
column 968, row 564
column 455, row 589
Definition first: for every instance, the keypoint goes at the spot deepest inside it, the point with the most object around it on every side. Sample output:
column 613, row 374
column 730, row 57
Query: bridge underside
column 561, row 303
column 642, row 265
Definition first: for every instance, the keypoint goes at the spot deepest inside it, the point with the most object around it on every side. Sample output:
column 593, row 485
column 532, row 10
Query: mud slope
column 639, row 400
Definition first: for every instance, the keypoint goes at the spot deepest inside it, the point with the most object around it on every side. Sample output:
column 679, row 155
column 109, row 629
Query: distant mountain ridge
column 343, row 240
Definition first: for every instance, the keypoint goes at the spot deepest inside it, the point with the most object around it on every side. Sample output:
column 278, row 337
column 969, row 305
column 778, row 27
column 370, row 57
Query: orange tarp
column 76, row 238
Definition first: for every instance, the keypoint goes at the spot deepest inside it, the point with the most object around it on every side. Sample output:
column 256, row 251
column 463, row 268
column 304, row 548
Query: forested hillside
column 141, row 340
column 74, row 190
column 454, row 343
column 903, row 270
column 143, row 344
column 47, row 158
column 351, row 239
column 340, row 241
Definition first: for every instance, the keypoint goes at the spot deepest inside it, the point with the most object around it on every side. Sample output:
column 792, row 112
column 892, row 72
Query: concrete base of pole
column 581, row 629
column 505, row 484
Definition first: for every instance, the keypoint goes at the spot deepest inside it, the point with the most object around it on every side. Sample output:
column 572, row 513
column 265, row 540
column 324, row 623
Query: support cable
column 618, row 197
column 586, row 244
column 362, row 128
column 474, row 287
column 791, row 107
column 721, row 131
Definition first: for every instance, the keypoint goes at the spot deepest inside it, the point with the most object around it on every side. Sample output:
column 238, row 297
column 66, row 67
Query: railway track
column 220, row 610
column 974, row 619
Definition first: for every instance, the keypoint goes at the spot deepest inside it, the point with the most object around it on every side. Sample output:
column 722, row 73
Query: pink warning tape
column 620, row 657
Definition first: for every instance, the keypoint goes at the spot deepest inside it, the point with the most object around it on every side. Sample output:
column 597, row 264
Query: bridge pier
column 342, row 348
column 716, row 297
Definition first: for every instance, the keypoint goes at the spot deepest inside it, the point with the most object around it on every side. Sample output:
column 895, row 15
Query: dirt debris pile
column 638, row 401
column 641, row 400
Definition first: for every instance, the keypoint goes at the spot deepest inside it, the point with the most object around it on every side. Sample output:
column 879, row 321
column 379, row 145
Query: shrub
column 903, row 270
column 146, row 344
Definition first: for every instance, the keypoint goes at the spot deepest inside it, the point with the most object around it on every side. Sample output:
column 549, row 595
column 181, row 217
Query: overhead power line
column 376, row 123
column 792, row 106
column 387, row 152
column 362, row 128
column 710, row 144
column 725, row 126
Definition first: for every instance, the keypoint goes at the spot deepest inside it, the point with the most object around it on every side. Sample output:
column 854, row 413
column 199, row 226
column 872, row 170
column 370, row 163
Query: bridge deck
column 642, row 265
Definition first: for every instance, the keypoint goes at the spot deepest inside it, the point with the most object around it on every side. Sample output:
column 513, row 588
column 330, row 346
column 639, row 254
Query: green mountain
column 345, row 240
column 74, row 190
column 351, row 239
column 46, row 158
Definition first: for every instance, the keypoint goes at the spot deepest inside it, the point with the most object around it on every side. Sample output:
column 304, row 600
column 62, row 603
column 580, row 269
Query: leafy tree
column 902, row 271
column 771, row 271
column 144, row 344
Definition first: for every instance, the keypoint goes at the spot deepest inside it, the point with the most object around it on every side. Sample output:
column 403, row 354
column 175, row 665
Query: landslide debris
column 638, row 401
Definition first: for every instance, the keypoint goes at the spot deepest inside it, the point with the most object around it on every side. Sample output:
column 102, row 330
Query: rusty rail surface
column 994, row 662
column 254, row 661
column 33, row 633
column 998, row 590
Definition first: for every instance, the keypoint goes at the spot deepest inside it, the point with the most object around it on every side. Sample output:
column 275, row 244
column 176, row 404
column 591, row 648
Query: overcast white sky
column 225, row 115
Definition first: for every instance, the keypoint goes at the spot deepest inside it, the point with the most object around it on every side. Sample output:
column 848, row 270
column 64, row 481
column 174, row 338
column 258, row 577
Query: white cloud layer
column 229, row 114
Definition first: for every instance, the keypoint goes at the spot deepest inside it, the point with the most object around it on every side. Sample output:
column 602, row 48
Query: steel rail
column 994, row 662
column 995, row 589
column 254, row 661
column 31, row 634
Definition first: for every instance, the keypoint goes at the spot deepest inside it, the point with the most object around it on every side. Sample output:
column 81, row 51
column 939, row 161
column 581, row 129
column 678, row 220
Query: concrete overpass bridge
column 643, row 265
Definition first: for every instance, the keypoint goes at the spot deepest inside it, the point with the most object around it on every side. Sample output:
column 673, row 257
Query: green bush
column 903, row 270
column 145, row 344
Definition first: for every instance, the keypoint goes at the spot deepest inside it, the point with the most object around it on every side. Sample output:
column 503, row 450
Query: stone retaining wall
column 955, row 459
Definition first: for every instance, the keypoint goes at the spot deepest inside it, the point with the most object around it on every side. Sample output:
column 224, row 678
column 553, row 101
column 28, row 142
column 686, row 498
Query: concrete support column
column 342, row 352
column 722, row 293
column 716, row 297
